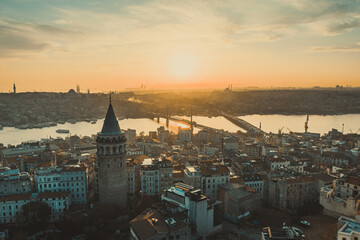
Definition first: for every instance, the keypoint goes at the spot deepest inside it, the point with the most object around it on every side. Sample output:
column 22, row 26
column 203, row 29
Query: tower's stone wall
column 111, row 162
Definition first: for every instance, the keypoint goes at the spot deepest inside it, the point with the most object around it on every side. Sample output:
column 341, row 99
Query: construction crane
column 280, row 129
column 290, row 130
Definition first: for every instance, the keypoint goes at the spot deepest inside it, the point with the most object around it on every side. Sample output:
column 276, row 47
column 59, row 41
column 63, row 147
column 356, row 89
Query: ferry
column 62, row 131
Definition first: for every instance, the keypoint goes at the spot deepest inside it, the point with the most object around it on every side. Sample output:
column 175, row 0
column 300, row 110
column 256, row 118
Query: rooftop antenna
column 342, row 128
column 260, row 125
column 110, row 97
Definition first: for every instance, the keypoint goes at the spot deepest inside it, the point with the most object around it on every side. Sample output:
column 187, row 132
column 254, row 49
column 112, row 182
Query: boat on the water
column 62, row 131
column 93, row 122
column 23, row 127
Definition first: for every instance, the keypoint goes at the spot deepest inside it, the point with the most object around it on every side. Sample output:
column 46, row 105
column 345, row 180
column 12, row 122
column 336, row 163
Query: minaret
column 306, row 123
column 191, row 124
column 111, row 162
column 167, row 116
column 14, row 87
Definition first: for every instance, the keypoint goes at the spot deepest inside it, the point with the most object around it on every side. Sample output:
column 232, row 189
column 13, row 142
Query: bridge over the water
column 242, row 123
column 191, row 123
column 237, row 121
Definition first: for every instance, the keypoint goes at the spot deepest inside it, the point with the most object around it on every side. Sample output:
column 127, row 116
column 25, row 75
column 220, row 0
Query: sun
column 182, row 65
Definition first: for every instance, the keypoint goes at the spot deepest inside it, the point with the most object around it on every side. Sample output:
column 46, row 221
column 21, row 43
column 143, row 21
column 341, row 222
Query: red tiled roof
column 73, row 169
column 16, row 197
column 300, row 179
column 53, row 195
column 178, row 174
column 214, row 170
column 353, row 180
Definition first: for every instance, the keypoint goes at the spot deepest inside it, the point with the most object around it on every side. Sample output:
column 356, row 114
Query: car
column 304, row 223
column 298, row 232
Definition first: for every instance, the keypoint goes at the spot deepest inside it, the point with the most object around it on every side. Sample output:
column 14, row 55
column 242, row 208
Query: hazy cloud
column 56, row 30
column 164, row 24
column 353, row 48
column 14, row 43
column 347, row 24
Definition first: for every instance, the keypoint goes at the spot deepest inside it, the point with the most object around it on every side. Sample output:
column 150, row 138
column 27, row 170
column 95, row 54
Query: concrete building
column 163, row 134
column 160, row 224
column 27, row 149
column 63, row 179
column 111, row 162
column 254, row 181
column 348, row 228
column 290, row 194
column 156, row 176
column 133, row 176
column 343, row 198
column 238, row 201
column 14, row 182
column 212, row 177
column 192, row 176
column 130, row 135
column 134, row 150
column 336, row 158
column 202, row 135
column 153, row 134
column 203, row 214
column 11, row 205
column 269, row 150
column 252, row 150
column 276, row 163
column 184, row 135
column 230, row 143
column 210, row 149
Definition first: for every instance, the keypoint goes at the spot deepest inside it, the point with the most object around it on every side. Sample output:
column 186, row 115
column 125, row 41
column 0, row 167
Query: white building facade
column 11, row 205
column 63, row 179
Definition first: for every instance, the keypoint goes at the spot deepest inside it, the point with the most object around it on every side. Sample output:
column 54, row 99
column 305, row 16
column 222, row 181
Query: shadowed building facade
column 111, row 161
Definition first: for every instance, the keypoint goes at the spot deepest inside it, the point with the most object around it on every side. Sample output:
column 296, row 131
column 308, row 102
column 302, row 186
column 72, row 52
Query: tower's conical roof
column 111, row 124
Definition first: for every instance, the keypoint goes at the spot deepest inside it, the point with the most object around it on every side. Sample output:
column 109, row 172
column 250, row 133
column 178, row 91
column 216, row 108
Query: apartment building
column 212, row 177
column 11, row 205
column 14, row 182
column 63, row 179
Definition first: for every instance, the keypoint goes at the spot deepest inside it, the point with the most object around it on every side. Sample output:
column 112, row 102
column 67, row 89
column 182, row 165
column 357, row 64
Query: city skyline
column 171, row 45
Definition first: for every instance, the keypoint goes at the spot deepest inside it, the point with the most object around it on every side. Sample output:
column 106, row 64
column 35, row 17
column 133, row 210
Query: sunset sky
column 53, row 45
